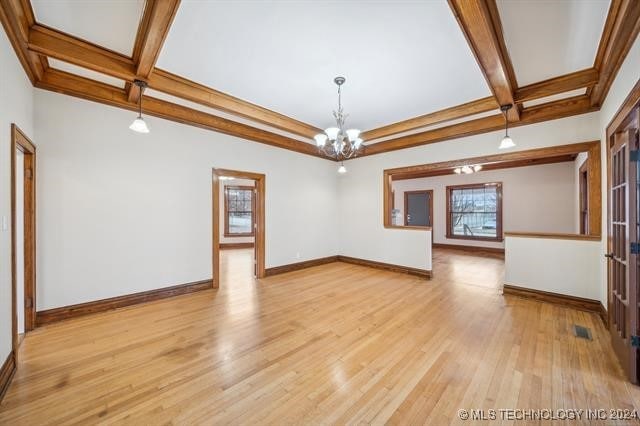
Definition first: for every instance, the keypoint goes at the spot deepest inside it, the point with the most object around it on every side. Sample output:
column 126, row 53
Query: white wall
column 16, row 106
column 362, row 233
column 553, row 265
column 534, row 199
column 119, row 212
column 626, row 78
column 234, row 182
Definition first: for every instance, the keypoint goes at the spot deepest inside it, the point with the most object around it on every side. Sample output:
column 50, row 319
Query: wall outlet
column 298, row 255
column 5, row 223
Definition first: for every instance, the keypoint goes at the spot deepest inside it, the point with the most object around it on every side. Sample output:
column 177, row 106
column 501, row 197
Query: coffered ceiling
column 401, row 59
column 417, row 72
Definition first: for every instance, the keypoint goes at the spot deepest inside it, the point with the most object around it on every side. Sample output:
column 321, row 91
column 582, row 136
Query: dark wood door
column 623, row 263
column 418, row 208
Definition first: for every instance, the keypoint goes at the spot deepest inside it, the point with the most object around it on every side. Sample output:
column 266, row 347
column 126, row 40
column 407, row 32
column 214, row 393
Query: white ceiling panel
column 109, row 23
column 83, row 72
column 549, row 38
column 401, row 58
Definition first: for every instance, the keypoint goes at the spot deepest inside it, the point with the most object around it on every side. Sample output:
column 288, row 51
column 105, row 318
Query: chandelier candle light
column 337, row 142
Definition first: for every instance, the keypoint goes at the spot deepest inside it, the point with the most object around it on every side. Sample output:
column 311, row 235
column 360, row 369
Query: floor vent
column 582, row 332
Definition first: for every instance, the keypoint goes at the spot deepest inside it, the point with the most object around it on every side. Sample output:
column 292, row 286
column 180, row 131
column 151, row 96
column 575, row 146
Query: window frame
column 499, row 233
column 227, row 233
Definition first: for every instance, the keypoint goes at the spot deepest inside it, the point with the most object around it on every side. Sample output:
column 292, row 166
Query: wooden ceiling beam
column 621, row 29
column 186, row 89
column 553, row 86
column 152, row 32
column 535, row 114
column 56, row 44
column 557, row 85
column 17, row 17
column 73, row 85
column 460, row 111
column 480, row 23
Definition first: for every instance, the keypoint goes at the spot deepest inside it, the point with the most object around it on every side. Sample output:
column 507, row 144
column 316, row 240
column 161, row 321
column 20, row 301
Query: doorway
column 623, row 266
column 245, row 205
column 23, row 234
column 583, row 177
column 418, row 208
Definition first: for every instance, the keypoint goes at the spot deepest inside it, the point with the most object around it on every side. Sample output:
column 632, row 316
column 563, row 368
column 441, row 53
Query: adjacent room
column 319, row 212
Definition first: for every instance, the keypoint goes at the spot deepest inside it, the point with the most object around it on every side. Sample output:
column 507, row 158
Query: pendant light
column 342, row 169
column 506, row 142
column 139, row 125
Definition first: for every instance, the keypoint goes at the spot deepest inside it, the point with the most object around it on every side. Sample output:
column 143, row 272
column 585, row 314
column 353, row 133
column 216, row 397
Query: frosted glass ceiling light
column 321, row 139
column 336, row 142
column 353, row 134
column 467, row 169
column 332, row 133
column 506, row 142
column 139, row 125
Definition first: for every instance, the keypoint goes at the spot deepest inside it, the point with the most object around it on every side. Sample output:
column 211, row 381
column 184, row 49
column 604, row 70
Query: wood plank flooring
column 333, row 344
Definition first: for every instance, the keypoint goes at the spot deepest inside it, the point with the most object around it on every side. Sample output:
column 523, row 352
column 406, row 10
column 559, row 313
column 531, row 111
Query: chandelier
column 337, row 142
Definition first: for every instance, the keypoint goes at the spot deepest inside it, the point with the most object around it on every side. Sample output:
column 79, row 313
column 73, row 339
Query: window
column 238, row 209
column 474, row 212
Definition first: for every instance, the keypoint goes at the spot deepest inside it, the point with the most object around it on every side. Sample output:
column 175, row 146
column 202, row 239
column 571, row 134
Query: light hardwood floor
column 335, row 344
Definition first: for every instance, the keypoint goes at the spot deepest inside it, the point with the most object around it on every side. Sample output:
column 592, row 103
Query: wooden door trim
column 406, row 204
column 260, row 187
column 583, row 193
column 20, row 141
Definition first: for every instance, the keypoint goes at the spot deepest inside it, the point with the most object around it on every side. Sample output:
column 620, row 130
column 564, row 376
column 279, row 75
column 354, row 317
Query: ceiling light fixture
column 467, row 169
column 506, row 142
column 336, row 142
column 342, row 169
column 139, row 125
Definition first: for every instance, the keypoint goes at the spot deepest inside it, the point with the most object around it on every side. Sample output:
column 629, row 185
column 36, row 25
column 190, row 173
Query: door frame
column 583, row 197
column 259, row 238
column 621, row 121
column 406, row 204
column 20, row 141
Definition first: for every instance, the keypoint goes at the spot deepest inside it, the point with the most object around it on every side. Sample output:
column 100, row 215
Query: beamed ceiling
column 417, row 72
